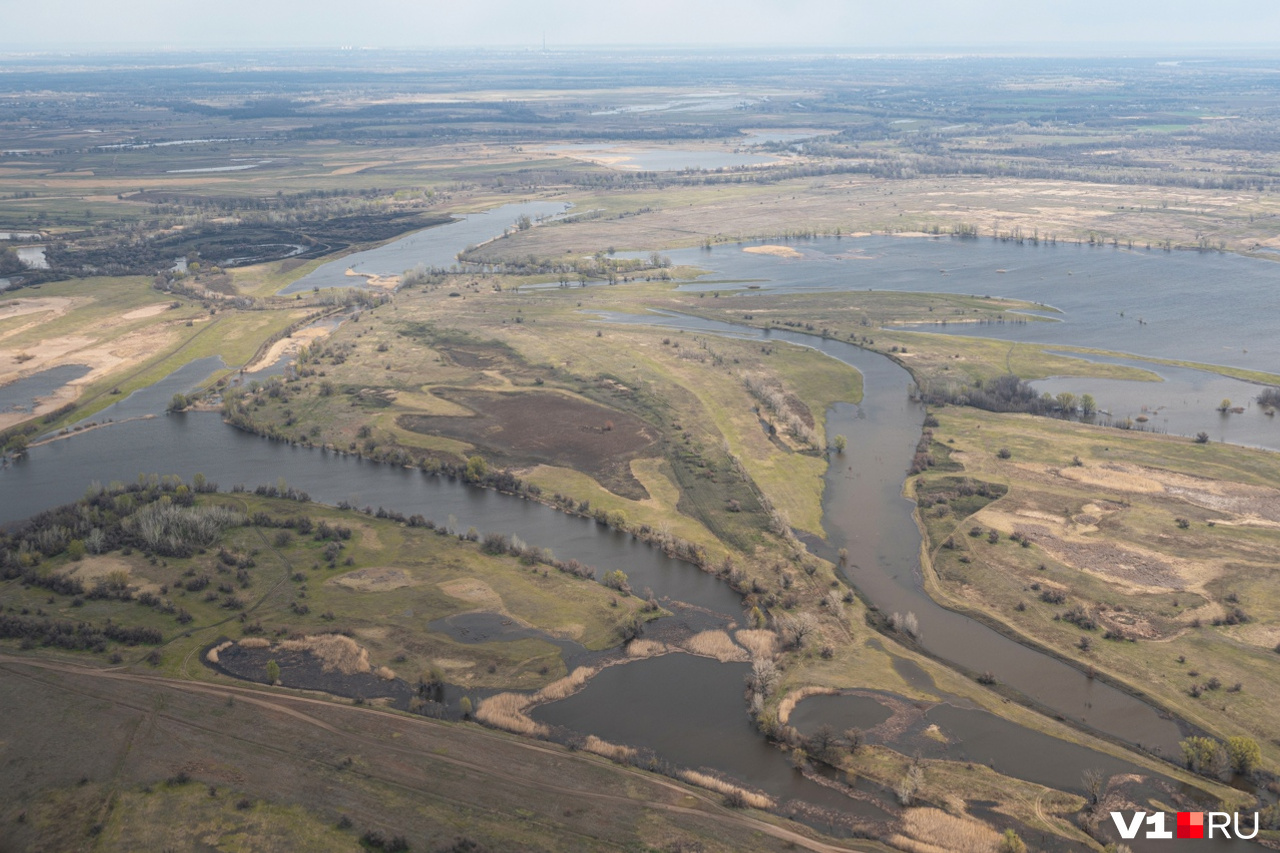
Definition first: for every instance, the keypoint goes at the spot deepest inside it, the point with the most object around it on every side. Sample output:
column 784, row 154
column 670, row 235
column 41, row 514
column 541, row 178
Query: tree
column 1245, row 754
column 841, row 443
column 1095, row 782
column 822, row 740
column 1067, row 402
column 464, row 705
column 1088, row 405
column 1225, row 405
column 617, row 579
column 477, row 468
column 273, row 672
column 178, row 403
column 853, row 739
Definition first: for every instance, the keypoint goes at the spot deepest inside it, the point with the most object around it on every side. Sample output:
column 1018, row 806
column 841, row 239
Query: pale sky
column 853, row 25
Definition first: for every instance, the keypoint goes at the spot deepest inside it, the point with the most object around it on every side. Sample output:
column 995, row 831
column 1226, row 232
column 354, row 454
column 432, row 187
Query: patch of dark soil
column 550, row 428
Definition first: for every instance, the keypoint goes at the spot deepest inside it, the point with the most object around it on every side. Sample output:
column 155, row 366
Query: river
column 863, row 512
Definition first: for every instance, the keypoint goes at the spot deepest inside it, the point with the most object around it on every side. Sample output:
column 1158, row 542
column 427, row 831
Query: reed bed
column 759, row 642
column 755, row 799
column 335, row 652
column 507, row 711
column 612, row 751
column 715, row 644
column 789, row 702
column 927, row 830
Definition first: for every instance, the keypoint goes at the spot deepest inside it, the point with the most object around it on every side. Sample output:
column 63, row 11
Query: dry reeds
column 759, row 642
column 755, row 799
column 612, row 751
column 789, row 702
column 645, row 648
column 934, row 831
column 335, row 652
column 386, row 673
column 212, row 656
column 255, row 643
column 507, row 711
column 715, row 644
column 566, row 686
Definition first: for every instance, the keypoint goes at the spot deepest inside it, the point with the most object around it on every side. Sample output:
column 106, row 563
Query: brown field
column 531, row 427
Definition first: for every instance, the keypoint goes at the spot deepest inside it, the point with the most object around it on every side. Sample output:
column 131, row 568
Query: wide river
column 863, row 508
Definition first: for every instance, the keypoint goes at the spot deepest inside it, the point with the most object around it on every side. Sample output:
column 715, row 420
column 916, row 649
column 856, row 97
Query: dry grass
column 789, row 702
column 507, row 711
column 703, row 780
column 759, row 642
column 715, row 644
column 935, row 831
column 255, row 643
column 386, row 673
column 335, row 652
column 612, row 751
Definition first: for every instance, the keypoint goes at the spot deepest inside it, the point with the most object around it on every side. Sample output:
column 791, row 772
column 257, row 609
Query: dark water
column 21, row 395
column 1204, row 307
column 432, row 247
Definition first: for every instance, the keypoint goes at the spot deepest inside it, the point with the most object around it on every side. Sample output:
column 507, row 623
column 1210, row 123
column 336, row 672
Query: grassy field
column 387, row 381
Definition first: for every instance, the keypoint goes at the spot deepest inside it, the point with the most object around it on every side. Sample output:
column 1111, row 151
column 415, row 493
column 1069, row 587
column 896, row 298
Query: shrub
column 1053, row 596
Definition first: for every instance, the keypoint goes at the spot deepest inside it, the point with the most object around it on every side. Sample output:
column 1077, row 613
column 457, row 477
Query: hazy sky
column 853, row 25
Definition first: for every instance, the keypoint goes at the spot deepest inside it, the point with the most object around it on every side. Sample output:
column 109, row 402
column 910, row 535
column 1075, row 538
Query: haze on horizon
column 854, row 25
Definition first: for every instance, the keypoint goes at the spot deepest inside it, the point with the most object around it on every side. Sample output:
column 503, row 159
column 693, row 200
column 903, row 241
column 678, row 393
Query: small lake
column 435, row 247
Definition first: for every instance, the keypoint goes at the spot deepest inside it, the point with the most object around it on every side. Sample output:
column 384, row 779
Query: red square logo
column 1191, row 824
